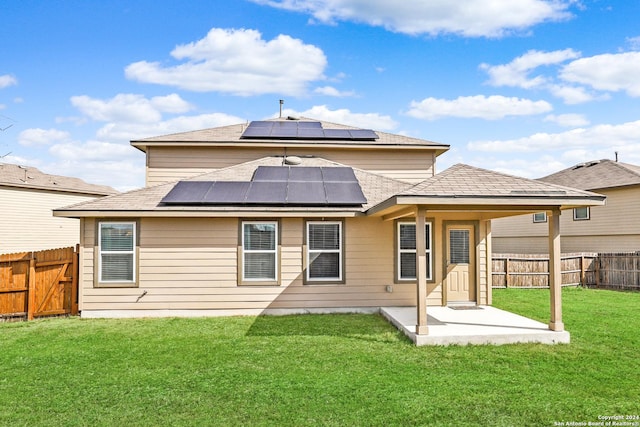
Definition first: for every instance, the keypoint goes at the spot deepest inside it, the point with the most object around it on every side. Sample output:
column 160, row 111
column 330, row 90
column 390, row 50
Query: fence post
column 31, row 301
column 506, row 272
column 598, row 271
column 582, row 271
column 75, row 280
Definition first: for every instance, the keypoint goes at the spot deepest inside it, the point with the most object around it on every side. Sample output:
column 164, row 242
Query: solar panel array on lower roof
column 274, row 185
column 294, row 129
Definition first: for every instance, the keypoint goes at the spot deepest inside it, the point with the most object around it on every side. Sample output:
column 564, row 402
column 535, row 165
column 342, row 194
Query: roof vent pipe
column 292, row 160
column 616, row 157
column 281, row 102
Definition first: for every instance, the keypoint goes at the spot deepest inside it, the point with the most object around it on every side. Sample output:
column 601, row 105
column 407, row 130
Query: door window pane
column 459, row 246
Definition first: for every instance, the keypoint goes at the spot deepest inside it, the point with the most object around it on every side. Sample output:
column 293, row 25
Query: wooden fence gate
column 36, row 284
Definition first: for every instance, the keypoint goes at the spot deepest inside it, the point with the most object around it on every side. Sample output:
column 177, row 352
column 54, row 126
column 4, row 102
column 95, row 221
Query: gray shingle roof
column 376, row 188
column 232, row 134
column 32, row 178
column 467, row 181
column 596, row 175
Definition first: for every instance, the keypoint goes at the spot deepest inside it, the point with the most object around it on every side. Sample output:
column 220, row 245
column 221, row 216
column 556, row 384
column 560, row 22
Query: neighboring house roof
column 29, row 177
column 375, row 188
column 464, row 185
column 231, row 135
column 596, row 175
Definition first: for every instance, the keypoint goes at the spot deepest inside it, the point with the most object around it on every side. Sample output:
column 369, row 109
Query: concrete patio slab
column 472, row 325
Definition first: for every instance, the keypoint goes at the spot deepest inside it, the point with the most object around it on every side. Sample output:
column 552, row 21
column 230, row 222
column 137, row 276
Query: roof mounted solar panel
column 227, row 192
column 187, row 192
column 305, row 174
column 306, row 193
column 363, row 134
column 338, row 174
column 344, row 193
column 307, row 125
column 271, row 173
column 337, row 134
column 268, row 193
column 310, row 133
column 274, row 185
column 294, row 129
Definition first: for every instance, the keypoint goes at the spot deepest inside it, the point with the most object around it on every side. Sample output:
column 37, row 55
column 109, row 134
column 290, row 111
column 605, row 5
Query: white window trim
column 338, row 251
column 428, row 225
column 131, row 252
column 539, row 221
column 588, row 217
column 253, row 251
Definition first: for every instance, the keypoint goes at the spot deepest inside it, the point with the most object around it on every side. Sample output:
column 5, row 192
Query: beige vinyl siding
column 167, row 164
column 27, row 222
column 191, row 264
column 483, row 255
column 611, row 228
column 523, row 245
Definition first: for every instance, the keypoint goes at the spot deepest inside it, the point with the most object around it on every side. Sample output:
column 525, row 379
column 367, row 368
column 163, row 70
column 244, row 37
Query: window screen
column 580, row 214
column 259, row 249
column 540, row 217
column 117, row 252
column 407, row 255
column 324, row 250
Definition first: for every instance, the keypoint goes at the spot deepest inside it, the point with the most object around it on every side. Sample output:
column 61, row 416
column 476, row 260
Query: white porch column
column 555, row 272
column 421, row 271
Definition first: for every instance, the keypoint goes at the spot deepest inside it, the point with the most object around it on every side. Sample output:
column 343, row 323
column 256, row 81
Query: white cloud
column 607, row 72
column 622, row 137
column 479, row 106
column 516, row 73
column 568, row 120
column 471, row 18
column 237, row 61
column 571, row 94
column 344, row 116
column 7, row 80
column 91, row 151
column 130, row 107
column 37, row 136
column 332, row 91
column 128, row 131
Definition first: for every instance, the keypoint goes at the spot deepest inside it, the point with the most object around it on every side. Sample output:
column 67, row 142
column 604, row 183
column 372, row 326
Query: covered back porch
column 462, row 201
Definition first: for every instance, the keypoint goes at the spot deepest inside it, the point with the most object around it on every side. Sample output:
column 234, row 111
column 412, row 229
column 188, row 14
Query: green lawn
column 320, row 370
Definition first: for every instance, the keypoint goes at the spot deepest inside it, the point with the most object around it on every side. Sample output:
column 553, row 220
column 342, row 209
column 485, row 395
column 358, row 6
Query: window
column 407, row 254
column 540, row 217
column 117, row 243
column 581, row 214
column 324, row 251
column 259, row 251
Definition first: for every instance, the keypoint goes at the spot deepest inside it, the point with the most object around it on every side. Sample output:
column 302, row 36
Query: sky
column 525, row 87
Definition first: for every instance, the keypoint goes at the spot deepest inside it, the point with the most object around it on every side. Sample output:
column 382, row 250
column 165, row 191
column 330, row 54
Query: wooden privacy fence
column 604, row 270
column 36, row 284
column 618, row 271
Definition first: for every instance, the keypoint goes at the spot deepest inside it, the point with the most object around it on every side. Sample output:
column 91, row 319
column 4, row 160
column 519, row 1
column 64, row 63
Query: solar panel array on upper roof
column 275, row 185
column 294, row 129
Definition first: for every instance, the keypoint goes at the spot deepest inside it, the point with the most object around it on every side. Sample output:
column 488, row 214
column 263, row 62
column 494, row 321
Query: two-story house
column 298, row 215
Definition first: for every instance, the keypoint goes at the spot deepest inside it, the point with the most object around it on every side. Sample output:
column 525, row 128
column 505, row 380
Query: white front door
column 460, row 251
